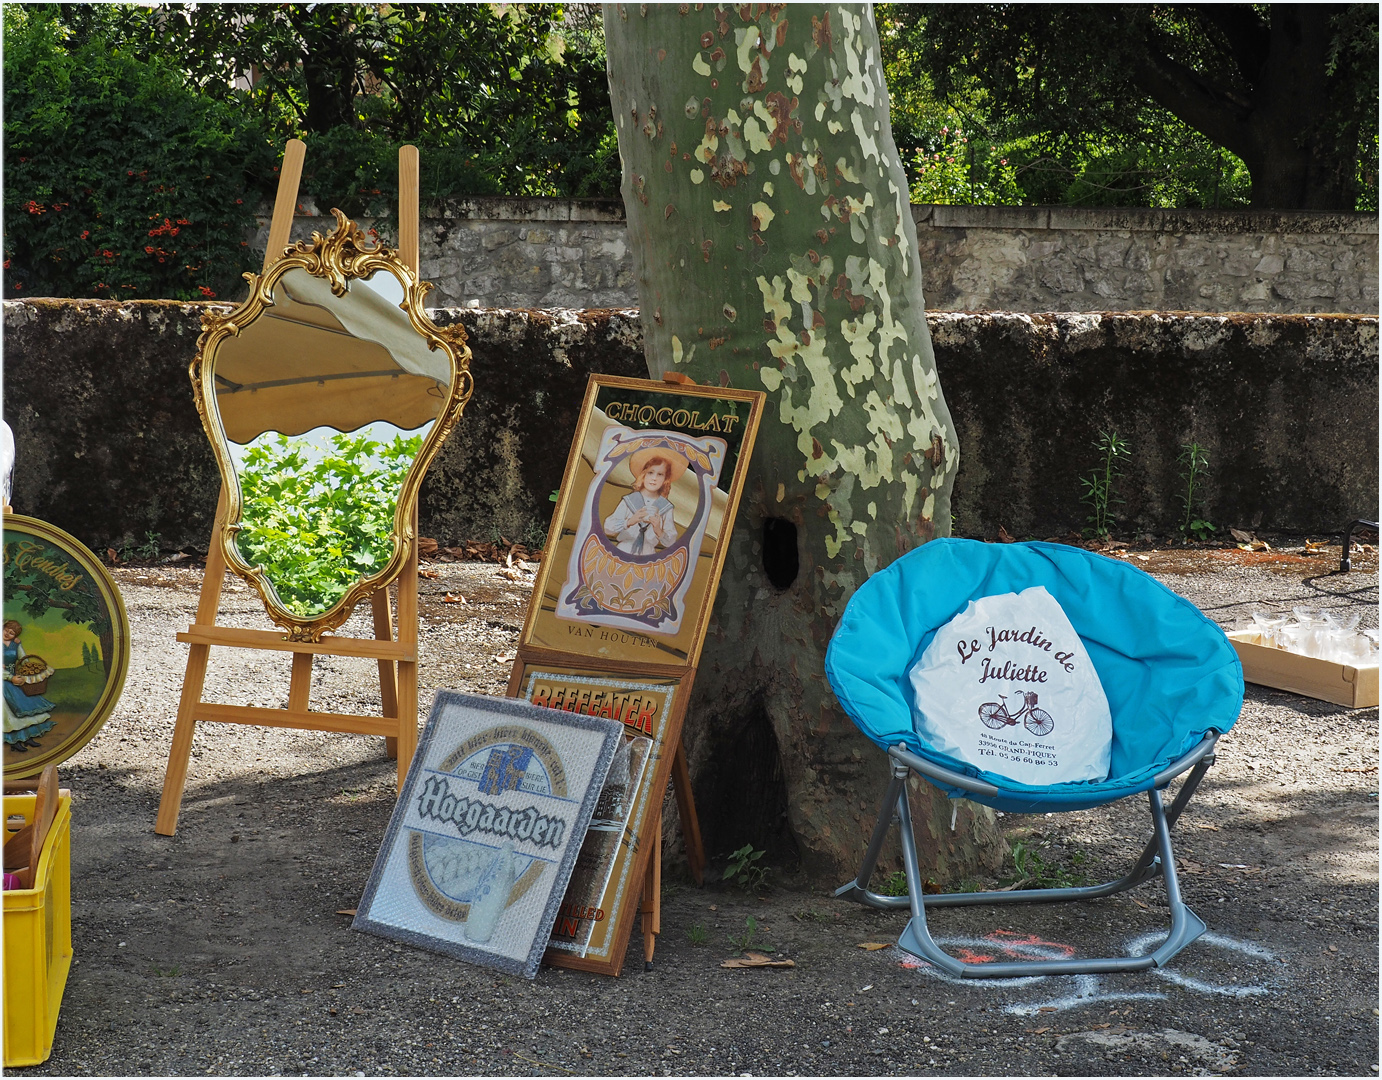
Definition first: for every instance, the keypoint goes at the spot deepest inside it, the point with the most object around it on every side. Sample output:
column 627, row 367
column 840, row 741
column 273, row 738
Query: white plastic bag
column 1007, row 685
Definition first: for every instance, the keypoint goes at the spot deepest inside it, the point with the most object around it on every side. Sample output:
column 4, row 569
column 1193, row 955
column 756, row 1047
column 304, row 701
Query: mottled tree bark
column 774, row 249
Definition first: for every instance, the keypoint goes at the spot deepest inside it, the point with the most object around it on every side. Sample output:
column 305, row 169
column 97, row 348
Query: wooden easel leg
column 300, row 682
column 651, row 908
column 175, row 777
column 407, row 669
column 686, row 810
column 388, row 685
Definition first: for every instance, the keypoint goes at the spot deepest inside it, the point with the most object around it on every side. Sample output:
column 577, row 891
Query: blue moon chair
column 1173, row 683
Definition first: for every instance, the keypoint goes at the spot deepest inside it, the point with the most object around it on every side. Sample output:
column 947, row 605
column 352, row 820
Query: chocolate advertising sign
column 642, row 521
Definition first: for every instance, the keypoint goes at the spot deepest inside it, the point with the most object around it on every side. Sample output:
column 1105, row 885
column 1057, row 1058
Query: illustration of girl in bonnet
column 26, row 717
column 642, row 522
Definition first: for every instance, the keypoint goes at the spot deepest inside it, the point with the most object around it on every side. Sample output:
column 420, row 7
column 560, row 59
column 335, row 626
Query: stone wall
column 110, row 446
column 543, row 253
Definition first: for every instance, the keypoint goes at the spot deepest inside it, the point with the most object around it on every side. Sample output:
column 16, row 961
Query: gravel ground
column 221, row 951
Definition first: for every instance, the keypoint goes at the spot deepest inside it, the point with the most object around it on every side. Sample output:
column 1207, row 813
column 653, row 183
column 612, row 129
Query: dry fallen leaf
column 1241, row 536
column 426, row 545
column 449, row 599
column 507, row 658
column 872, row 946
column 431, row 574
column 346, row 911
column 756, row 960
column 1206, row 825
column 1004, row 537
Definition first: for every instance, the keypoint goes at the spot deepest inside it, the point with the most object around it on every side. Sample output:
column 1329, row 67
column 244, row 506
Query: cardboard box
column 38, row 941
column 1343, row 684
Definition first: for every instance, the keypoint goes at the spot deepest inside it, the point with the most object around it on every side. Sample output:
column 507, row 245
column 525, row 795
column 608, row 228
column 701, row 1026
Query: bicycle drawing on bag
column 995, row 715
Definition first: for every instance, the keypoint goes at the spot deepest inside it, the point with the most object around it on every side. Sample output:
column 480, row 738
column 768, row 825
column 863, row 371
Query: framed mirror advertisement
column 642, row 519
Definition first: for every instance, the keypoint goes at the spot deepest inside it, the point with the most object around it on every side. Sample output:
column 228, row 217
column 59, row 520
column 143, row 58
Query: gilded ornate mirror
column 326, row 394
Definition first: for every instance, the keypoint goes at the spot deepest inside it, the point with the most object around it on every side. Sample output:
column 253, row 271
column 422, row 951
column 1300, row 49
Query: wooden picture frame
column 597, row 915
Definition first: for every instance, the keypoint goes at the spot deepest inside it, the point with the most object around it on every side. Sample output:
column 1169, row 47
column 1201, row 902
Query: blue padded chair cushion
column 1169, row 673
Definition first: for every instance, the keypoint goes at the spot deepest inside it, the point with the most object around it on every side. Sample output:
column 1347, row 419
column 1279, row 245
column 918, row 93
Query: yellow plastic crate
column 38, row 941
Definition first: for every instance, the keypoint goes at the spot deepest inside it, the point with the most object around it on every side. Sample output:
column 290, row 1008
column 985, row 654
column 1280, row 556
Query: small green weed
column 895, row 884
column 152, row 546
column 1101, row 492
column 1035, row 871
column 743, row 869
column 534, row 536
column 166, row 973
column 1193, row 462
column 749, row 938
column 696, row 934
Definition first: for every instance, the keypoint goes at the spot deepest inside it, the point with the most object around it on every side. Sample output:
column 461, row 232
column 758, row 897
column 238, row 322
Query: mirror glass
column 325, row 402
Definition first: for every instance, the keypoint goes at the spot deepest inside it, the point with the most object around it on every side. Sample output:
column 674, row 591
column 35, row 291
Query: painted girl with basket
column 27, row 712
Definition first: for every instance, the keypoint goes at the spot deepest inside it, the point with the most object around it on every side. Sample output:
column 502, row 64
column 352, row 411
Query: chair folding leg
column 858, row 889
column 1157, row 858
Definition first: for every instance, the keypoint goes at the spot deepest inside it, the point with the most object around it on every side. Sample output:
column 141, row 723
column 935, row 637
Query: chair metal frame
column 1156, row 860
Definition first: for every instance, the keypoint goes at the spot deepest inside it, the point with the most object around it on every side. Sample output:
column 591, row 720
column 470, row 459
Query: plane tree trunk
column 774, row 249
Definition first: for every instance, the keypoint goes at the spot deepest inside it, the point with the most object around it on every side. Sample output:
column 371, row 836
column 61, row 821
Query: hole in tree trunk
column 780, row 560
column 741, row 796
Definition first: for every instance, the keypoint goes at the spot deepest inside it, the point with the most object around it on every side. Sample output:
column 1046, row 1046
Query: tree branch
column 1214, row 111
column 1247, row 34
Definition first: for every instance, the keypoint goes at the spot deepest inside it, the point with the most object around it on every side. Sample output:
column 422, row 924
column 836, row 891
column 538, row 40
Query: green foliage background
column 1033, row 103
column 317, row 527
column 140, row 140
column 136, row 154
column 119, row 181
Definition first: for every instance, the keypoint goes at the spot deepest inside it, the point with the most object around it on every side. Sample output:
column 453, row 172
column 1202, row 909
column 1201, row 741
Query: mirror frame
column 344, row 255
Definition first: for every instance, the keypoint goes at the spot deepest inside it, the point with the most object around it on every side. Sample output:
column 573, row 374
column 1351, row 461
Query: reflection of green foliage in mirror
column 317, row 527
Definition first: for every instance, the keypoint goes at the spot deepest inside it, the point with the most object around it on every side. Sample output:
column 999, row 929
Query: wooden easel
column 650, row 906
column 396, row 653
